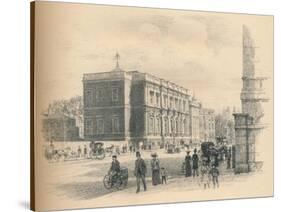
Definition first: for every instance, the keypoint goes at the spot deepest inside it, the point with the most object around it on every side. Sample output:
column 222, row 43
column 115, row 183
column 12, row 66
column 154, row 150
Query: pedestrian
column 205, row 177
column 155, row 169
column 195, row 161
column 79, row 152
column 130, row 148
column 85, row 151
column 214, row 173
column 140, row 171
column 187, row 164
column 117, row 150
column 229, row 159
column 164, row 174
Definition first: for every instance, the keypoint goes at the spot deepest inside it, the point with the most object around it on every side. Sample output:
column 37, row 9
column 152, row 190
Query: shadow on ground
column 87, row 190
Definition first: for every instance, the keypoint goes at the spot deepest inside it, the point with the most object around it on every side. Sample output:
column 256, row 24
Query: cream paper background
column 198, row 50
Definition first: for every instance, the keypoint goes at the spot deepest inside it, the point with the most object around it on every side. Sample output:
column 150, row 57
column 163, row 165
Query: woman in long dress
column 187, row 165
column 155, row 166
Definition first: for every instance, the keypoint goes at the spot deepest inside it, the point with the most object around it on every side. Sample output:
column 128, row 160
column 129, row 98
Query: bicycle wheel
column 107, row 181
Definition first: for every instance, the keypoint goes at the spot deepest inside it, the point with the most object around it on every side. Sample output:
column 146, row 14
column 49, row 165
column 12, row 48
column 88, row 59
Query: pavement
column 82, row 180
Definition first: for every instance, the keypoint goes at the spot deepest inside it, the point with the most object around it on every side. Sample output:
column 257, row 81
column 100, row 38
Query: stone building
column 249, row 124
column 207, row 125
column 138, row 108
column 60, row 127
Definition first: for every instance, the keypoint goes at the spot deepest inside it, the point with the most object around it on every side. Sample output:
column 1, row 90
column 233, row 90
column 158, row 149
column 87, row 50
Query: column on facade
column 163, row 131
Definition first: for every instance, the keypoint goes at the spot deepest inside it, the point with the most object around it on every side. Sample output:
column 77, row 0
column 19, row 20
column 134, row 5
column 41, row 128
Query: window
column 115, row 125
column 115, row 94
column 166, row 126
column 157, row 126
column 157, row 99
column 88, row 98
column 172, row 126
column 151, row 125
column 184, row 106
column 89, row 127
column 165, row 101
column 100, row 126
column 99, row 95
column 151, row 96
column 171, row 102
column 176, row 126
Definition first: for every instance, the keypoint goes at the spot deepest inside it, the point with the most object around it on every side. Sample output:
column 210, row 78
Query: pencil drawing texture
column 249, row 124
column 147, row 106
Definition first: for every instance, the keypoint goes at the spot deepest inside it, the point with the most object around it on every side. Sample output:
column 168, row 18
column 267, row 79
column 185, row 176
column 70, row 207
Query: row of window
column 97, row 126
column 170, row 126
column 99, row 95
column 207, row 125
column 173, row 103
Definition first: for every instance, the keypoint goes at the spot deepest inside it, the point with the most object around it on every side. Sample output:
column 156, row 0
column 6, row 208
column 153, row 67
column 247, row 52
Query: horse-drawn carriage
column 97, row 150
column 116, row 180
column 53, row 154
column 212, row 153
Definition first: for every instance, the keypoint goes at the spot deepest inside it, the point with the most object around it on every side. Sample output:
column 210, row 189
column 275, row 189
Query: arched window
column 151, row 125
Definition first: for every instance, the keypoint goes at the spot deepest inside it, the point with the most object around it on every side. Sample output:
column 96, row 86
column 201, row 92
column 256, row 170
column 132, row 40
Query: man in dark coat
column 140, row 171
column 114, row 170
column 229, row 159
column 187, row 161
column 195, row 160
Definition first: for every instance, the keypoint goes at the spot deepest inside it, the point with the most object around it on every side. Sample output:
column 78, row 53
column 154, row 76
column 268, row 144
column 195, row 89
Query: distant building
column 207, row 125
column 59, row 127
column 138, row 108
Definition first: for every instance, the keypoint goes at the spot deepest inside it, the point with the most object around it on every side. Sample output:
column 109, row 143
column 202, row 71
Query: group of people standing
column 209, row 172
column 159, row 173
column 191, row 164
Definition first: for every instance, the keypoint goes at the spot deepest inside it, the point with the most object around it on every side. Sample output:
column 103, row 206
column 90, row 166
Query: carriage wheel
column 107, row 181
column 100, row 155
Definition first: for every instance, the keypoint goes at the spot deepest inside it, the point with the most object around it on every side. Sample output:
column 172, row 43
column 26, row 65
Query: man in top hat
column 155, row 169
column 195, row 161
column 140, row 171
column 114, row 170
column 187, row 161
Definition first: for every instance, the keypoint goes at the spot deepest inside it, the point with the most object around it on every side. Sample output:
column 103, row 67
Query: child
column 163, row 173
column 205, row 175
column 214, row 172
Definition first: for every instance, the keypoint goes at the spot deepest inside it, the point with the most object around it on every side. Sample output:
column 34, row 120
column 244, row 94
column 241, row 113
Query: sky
column 200, row 51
